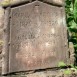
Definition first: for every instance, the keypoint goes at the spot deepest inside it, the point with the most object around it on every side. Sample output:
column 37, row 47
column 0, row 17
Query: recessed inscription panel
column 35, row 37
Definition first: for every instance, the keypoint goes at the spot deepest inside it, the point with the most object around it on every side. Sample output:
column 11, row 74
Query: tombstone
column 35, row 37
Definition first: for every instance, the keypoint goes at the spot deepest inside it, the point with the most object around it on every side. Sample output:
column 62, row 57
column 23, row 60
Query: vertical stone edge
column 1, row 35
column 65, row 33
column 5, row 52
column 70, row 50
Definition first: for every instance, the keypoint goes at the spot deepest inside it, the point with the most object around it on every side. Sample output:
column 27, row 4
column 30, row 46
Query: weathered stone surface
column 37, row 74
column 13, row 2
column 1, row 34
column 1, row 26
column 56, row 2
column 37, row 37
column 1, row 18
column 72, row 54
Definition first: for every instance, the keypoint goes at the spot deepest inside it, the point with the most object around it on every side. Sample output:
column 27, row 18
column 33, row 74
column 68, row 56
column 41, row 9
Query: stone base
column 46, row 73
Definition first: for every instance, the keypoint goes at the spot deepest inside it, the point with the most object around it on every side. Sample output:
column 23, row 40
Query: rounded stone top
column 6, row 3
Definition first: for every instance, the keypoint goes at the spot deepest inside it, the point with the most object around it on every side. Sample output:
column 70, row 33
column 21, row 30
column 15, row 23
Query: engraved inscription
column 34, row 36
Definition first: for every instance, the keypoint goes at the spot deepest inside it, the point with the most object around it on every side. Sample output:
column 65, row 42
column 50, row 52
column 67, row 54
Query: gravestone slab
column 35, row 36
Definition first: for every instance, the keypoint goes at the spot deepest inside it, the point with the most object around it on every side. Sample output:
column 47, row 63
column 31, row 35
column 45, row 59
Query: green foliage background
column 71, row 15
